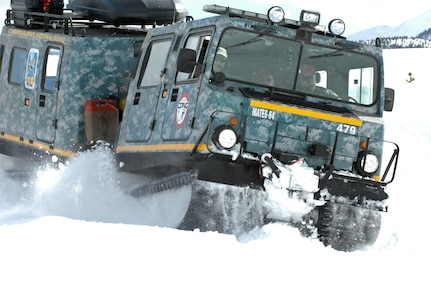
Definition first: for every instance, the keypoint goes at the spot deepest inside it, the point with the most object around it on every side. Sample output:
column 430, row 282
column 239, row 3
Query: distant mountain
column 415, row 32
column 425, row 34
column 410, row 28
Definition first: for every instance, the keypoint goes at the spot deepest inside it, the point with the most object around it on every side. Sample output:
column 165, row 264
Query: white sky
column 363, row 15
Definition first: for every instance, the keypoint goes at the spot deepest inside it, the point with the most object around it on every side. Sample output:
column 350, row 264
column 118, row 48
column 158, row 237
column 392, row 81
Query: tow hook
column 267, row 159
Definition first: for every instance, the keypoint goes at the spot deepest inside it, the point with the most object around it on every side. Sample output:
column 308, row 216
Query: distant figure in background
column 411, row 78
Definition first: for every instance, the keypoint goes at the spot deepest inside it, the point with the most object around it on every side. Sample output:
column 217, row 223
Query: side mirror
column 186, row 60
column 389, row 99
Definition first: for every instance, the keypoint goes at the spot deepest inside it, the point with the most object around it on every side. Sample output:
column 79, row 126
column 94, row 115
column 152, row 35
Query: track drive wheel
column 348, row 228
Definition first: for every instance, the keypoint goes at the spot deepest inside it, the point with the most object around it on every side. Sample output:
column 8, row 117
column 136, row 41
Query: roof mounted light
column 309, row 18
column 276, row 14
column 337, row 27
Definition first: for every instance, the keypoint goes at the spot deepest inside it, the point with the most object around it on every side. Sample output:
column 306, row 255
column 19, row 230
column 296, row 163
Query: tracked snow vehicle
column 266, row 118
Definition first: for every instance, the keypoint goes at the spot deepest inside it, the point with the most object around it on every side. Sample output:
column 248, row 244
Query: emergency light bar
column 223, row 10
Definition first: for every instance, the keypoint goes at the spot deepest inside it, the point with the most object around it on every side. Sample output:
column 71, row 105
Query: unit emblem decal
column 182, row 109
column 31, row 68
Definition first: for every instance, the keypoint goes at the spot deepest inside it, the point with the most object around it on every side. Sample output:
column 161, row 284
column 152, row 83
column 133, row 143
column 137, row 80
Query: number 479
column 345, row 128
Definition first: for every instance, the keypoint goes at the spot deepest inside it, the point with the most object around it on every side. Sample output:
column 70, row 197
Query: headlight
column 276, row 14
column 367, row 164
column 225, row 137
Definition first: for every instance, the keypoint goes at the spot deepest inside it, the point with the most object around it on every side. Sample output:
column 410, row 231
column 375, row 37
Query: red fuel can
column 101, row 120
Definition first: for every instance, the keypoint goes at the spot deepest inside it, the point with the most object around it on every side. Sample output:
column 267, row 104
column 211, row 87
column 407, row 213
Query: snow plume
column 68, row 191
column 89, row 188
column 14, row 198
column 286, row 206
column 290, row 189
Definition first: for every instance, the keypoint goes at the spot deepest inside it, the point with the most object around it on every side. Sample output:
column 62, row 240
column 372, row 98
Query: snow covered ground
column 72, row 226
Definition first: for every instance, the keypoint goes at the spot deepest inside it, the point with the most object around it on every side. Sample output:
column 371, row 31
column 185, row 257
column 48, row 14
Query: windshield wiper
column 331, row 54
column 252, row 40
column 337, row 53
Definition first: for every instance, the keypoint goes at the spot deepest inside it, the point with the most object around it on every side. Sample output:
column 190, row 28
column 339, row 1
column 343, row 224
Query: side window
column 154, row 63
column 1, row 57
column 361, row 82
column 51, row 69
column 17, row 66
column 199, row 43
column 322, row 78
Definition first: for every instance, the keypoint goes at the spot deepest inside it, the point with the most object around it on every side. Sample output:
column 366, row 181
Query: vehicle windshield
column 307, row 69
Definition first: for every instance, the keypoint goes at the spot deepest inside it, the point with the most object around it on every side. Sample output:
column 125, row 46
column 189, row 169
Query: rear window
column 17, row 66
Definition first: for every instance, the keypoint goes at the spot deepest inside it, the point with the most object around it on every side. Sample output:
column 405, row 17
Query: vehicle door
column 16, row 100
column 148, row 88
column 46, row 105
column 180, row 110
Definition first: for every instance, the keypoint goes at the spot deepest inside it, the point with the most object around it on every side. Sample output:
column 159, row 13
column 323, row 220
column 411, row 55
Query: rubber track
column 348, row 228
column 161, row 185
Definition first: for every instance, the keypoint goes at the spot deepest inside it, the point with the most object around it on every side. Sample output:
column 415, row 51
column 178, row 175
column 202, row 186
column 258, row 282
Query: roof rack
column 46, row 21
